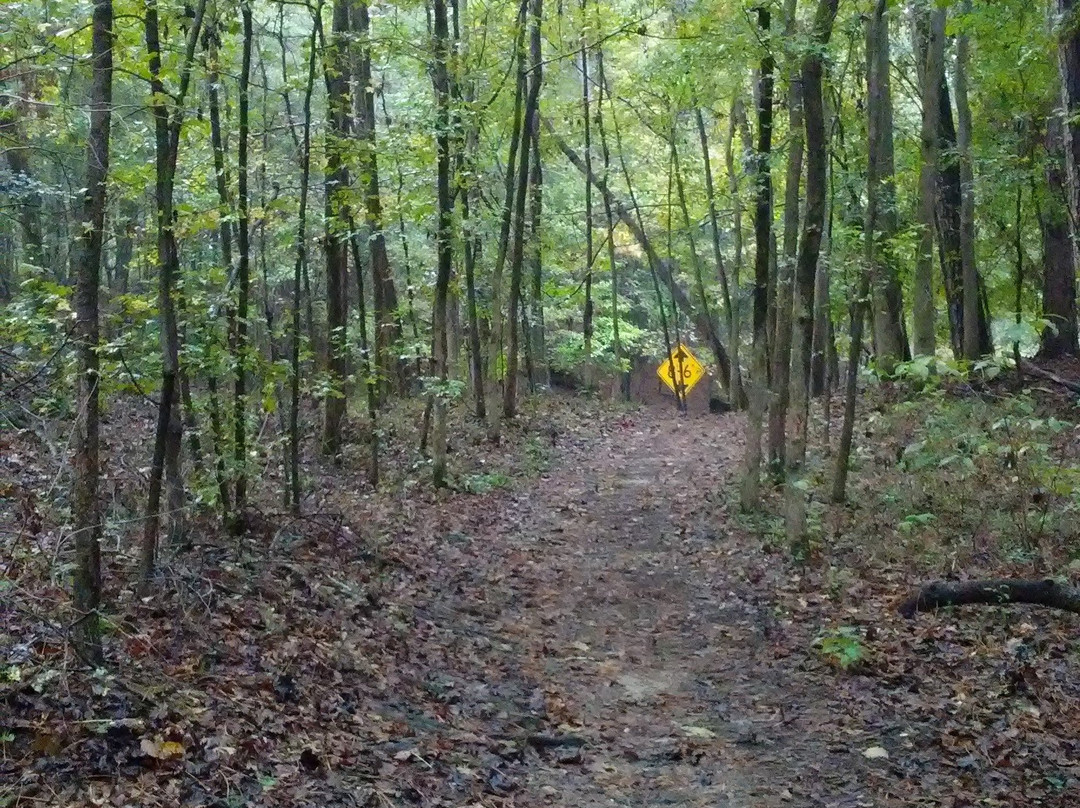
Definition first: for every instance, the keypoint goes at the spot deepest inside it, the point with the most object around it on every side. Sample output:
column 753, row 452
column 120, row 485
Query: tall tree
column 784, row 301
column 807, row 265
column 749, row 491
column 440, row 78
column 168, row 123
column 384, row 291
column 336, row 242
column 932, row 75
column 1059, row 337
column 890, row 336
column 972, row 348
column 86, row 507
column 530, row 120
column 243, row 270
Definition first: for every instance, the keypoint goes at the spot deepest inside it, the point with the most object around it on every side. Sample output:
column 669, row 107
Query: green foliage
column 842, row 647
column 486, row 482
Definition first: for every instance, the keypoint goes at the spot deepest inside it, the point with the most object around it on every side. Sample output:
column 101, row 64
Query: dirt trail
column 626, row 596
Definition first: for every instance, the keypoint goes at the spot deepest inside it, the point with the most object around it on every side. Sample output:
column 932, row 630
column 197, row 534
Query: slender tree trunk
column 750, row 488
column 444, row 235
column 586, row 106
column 243, row 274
column 336, row 240
column 1068, row 32
column 623, row 378
column 925, row 315
column 531, row 119
column 86, row 508
column 496, row 351
column 737, row 121
column 298, row 268
column 876, row 118
column 806, row 268
column 718, row 258
column 780, row 376
column 168, row 124
column 384, row 292
column 539, row 374
column 890, row 335
column 967, row 200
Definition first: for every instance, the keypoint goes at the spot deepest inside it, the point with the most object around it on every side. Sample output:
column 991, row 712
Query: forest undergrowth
column 584, row 618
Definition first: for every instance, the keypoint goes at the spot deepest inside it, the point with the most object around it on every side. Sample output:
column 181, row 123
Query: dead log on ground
column 1047, row 592
column 1034, row 370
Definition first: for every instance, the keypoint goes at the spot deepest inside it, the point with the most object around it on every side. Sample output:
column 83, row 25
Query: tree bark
column 86, row 508
column 999, row 592
column 780, row 376
column 299, row 266
column 749, row 493
column 1059, row 255
column 890, row 334
column 243, row 273
column 336, row 239
column 735, row 386
column 807, row 267
column 1069, row 68
column 969, row 270
column 441, row 84
column 384, row 292
column 168, row 124
column 530, row 120
column 933, row 55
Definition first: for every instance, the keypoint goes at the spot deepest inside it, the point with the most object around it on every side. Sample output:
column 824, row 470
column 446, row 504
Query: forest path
column 625, row 598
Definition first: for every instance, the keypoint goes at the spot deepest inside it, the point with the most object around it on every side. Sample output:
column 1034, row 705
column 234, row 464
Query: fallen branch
column 1035, row 370
column 1047, row 592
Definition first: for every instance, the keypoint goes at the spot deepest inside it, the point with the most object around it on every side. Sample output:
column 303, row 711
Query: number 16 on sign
column 681, row 371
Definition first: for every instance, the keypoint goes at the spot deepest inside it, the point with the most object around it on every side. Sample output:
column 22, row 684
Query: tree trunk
column 939, row 594
column 750, row 488
column 969, row 271
column 538, row 349
column 586, row 106
column 925, row 314
column 780, row 376
column 876, row 118
column 384, row 292
column 530, row 120
column 890, row 335
column 737, row 121
column 1059, row 256
column 168, row 124
column 721, row 273
column 243, row 274
column 806, row 269
column 336, row 238
column 299, row 266
column 1069, row 68
column 496, row 351
column 441, row 83
column 623, row 378
column 86, row 509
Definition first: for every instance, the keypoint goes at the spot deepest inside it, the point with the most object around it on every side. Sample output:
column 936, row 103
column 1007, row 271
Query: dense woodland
column 263, row 240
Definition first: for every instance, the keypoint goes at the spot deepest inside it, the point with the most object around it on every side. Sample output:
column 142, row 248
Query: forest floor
column 588, row 621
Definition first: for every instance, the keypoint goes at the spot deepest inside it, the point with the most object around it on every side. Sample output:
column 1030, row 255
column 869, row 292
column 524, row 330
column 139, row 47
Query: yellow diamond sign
column 681, row 369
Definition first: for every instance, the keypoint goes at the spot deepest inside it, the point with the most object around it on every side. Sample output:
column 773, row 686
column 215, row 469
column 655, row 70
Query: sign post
column 681, row 371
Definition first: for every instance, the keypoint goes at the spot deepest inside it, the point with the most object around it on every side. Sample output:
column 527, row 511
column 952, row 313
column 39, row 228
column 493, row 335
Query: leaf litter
column 606, row 629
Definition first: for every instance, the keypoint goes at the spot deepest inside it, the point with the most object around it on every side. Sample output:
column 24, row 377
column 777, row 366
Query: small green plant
column 841, row 647
column 483, row 483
